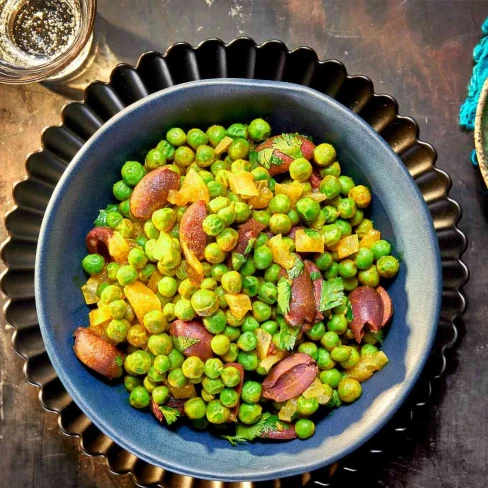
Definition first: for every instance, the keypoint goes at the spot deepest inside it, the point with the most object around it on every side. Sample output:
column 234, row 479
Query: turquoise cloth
column 467, row 113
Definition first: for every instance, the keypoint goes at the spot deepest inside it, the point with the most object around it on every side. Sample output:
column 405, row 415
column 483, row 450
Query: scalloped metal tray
column 241, row 58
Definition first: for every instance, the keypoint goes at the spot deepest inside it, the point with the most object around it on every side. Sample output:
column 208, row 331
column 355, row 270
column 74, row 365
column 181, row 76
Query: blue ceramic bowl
column 398, row 209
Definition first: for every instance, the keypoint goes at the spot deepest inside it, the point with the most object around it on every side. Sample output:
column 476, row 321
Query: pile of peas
column 153, row 364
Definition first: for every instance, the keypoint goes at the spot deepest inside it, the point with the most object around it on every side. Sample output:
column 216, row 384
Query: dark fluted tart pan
column 242, row 58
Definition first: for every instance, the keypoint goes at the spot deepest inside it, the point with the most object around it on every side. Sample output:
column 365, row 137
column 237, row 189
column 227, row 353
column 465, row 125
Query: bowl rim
column 407, row 383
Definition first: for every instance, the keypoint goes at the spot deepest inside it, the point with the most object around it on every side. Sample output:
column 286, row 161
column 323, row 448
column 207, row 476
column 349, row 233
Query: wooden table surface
column 418, row 51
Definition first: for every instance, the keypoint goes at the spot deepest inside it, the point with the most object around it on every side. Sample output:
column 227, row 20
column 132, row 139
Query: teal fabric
column 467, row 113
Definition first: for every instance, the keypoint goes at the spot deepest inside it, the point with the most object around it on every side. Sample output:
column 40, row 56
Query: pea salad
column 237, row 283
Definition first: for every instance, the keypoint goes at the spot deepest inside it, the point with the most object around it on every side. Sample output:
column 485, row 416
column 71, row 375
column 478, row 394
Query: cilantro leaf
column 349, row 313
column 297, row 268
column 253, row 157
column 288, row 335
column 284, row 295
column 275, row 160
column 249, row 245
column 237, row 260
column 267, row 423
column 332, row 294
column 183, row 343
column 315, row 275
column 264, row 157
column 170, row 414
column 119, row 361
column 379, row 336
column 288, row 144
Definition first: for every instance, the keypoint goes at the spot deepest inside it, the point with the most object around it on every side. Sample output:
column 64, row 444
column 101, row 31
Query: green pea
column 213, row 225
column 117, row 309
column 155, row 158
column 184, row 310
column 262, row 216
column 161, row 363
column 93, row 264
column 243, row 211
column 216, row 322
column 301, row 170
column 220, row 292
column 218, row 203
column 268, row 293
column 335, row 401
column 346, row 208
column 381, row 248
column 337, row 324
column 216, row 189
column 260, row 174
column 347, row 268
column 247, row 341
column 117, row 329
column 160, row 395
column 349, row 390
column 227, row 239
column 341, row 353
column 259, row 130
column 280, row 204
column 309, row 348
column 347, row 184
column 213, row 253
column 364, row 258
column 237, row 130
column 204, row 302
column 137, row 258
column 177, row 379
column 205, row 156
column 368, row 350
column 251, row 392
column 280, row 223
column 330, row 186
column 331, row 377
column 248, row 268
column 324, row 154
column 218, row 270
column 262, row 257
column 308, row 209
column 125, row 228
column 357, row 218
column 307, row 406
column 139, row 362
column 332, row 234
column 334, row 170
column 121, row 190
column 131, row 382
column 304, row 428
column 332, row 272
column 167, row 286
column 369, row 277
column 112, row 269
column 330, row 340
column 239, row 149
column 233, row 321
column 233, row 353
column 270, row 326
column 166, row 149
column 330, row 213
column 345, row 226
column 193, row 367
column 176, row 137
column 127, row 275
column 232, row 282
column 215, row 134
column 229, row 397
column 272, row 272
column 387, row 266
column 272, row 184
column 164, row 219
column 352, row 361
column 155, row 376
column 184, row 156
column 146, row 272
column 361, row 195
column 218, row 166
column 261, row 240
column 365, row 226
column 139, row 397
column 155, row 322
column 220, row 344
column 316, row 332
column 293, row 216
column 132, row 172
column 350, row 283
column 261, row 311
column 228, row 214
column 217, row 413
column 230, row 376
column 212, row 368
column 232, row 332
column 110, row 294
column 323, row 261
column 250, row 324
column 250, row 413
column 196, row 138
column 114, row 219
column 250, row 285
